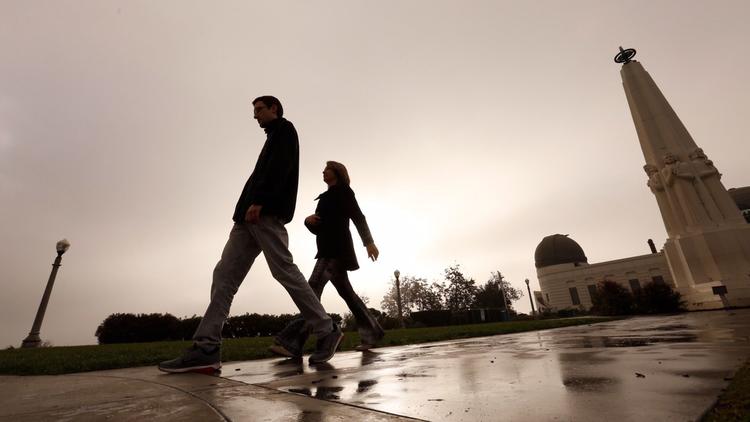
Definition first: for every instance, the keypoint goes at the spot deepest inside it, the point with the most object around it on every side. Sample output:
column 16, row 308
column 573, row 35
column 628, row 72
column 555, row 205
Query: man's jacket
column 273, row 183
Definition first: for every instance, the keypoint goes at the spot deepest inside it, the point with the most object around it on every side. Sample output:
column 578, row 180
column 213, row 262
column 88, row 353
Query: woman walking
column 336, row 256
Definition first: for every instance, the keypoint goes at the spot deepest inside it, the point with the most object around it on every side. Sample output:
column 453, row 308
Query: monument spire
column 659, row 129
column 708, row 248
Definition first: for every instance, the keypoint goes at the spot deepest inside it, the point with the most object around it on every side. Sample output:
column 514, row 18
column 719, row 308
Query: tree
column 428, row 297
column 490, row 295
column 416, row 295
column 459, row 292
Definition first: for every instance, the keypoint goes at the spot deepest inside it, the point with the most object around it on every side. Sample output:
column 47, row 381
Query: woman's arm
column 360, row 222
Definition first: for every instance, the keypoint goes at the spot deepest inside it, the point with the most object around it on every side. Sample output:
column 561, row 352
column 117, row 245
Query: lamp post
column 398, row 299
column 33, row 340
column 533, row 312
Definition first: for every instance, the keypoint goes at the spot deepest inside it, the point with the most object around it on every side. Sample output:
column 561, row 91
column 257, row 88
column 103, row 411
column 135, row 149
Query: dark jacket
column 273, row 183
column 336, row 207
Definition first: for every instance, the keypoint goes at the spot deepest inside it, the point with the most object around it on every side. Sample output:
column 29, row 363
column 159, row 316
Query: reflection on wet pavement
column 645, row 368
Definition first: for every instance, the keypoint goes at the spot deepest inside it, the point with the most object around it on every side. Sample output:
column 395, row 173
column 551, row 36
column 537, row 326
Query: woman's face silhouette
column 329, row 176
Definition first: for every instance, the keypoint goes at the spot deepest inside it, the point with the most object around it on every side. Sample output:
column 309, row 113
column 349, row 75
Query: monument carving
column 680, row 178
column 656, row 184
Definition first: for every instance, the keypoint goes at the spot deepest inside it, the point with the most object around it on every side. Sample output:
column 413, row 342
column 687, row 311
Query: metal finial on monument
column 625, row 55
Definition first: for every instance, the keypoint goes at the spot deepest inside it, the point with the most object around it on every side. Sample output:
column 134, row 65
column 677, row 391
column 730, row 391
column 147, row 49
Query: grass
column 734, row 402
column 65, row 360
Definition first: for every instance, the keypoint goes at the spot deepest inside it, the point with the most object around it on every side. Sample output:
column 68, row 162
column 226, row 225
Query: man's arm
column 253, row 213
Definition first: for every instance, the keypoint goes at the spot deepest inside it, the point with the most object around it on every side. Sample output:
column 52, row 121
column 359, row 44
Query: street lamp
column 533, row 312
column 398, row 299
column 33, row 340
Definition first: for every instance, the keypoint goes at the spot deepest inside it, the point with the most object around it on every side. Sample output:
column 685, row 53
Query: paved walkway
column 646, row 368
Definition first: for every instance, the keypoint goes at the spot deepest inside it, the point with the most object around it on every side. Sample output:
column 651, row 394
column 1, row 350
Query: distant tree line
column 457, row 299
column 136, row 328
column 455, row 293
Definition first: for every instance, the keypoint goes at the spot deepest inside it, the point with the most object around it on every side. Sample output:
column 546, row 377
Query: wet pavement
column 645, row 368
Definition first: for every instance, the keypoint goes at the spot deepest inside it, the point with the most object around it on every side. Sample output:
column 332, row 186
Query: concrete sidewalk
column 145, row 394
column 646, row 368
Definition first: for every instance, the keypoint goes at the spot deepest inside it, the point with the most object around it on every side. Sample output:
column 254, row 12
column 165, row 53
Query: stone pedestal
column 704, row 264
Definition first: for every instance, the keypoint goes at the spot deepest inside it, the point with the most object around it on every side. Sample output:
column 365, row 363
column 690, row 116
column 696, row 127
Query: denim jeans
column 246, row 242
column 329, row 269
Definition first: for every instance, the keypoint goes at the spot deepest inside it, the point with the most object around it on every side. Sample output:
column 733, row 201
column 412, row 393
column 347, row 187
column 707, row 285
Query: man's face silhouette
column 264, row 114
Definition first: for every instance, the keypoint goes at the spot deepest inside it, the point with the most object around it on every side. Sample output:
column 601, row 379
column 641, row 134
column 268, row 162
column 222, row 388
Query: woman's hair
column 341, row 174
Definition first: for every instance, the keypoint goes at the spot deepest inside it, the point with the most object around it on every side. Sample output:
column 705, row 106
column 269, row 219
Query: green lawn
column 64, row 360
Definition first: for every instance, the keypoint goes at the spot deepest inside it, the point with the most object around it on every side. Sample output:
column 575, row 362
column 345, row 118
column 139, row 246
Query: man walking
column 266, row 204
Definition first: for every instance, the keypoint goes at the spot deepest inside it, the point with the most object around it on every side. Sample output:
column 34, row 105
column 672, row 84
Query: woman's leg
column 322, row 272
column 368, row 327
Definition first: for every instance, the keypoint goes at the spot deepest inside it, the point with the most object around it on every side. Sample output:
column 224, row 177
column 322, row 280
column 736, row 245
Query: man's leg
column 274, row 241
column 290, row 341
column 236, row 259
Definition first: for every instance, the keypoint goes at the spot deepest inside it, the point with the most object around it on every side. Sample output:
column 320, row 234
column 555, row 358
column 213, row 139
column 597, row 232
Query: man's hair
column 339, row 169
column 269, row 101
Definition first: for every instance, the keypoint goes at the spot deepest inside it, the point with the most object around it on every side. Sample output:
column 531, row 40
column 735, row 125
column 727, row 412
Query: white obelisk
column 708, row 244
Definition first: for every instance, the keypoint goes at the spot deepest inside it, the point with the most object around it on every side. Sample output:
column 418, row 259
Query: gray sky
column 471, row 130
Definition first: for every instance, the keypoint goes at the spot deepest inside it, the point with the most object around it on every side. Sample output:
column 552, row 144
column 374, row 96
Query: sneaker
column 284, row 350
column 193, row 359
column 326, row 346
column 369, row 339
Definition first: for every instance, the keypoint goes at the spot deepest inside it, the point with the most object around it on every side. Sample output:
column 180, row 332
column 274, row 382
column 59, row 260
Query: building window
column 547, row 295
column 635, row 285
column 657, row 279
column 592, row 291
column 574, row 296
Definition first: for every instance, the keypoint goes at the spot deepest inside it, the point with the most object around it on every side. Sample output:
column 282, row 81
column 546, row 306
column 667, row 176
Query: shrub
column 432, row 318
column 611, row 299
column 253, row 325
column 130, row 328
column 188, row 327
column 657, row 298
column 570, row 312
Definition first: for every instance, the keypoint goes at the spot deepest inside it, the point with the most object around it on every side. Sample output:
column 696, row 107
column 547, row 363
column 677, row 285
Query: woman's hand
column 312, row 220
column 372, row 252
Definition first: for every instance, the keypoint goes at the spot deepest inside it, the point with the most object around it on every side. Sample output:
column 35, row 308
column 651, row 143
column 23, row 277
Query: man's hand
column 312, row 220
column 252, row 215
column 372, row 252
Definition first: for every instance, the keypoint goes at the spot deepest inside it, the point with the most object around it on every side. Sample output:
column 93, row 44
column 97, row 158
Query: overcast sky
column 471, row 130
